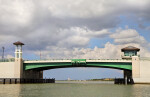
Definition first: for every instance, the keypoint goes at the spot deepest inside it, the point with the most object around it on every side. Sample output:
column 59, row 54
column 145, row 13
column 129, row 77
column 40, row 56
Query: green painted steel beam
column 127, row 66
column 29, row 66
column 77, row 63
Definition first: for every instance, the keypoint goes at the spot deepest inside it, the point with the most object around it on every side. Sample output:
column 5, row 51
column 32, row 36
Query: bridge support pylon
column 19, row 71
column 128, row 77
column 18, row 66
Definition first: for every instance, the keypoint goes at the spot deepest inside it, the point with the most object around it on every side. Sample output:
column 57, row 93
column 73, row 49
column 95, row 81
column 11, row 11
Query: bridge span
column 52, row 64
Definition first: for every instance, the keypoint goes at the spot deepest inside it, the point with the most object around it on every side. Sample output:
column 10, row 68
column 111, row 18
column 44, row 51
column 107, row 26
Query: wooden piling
column 15, row 81
column 4, row 81
column 10, row 81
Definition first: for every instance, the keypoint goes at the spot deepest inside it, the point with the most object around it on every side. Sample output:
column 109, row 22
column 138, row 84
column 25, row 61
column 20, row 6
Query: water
column 74, row 89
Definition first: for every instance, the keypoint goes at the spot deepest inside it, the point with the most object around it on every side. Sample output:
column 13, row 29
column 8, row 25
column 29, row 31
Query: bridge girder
column 77, row 63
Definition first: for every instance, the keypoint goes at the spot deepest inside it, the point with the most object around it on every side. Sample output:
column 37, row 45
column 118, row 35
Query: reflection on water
column 74, row 89
column 141, row 90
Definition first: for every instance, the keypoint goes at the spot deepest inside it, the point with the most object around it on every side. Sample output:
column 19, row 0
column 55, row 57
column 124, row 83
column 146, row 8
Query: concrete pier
column 140, row 69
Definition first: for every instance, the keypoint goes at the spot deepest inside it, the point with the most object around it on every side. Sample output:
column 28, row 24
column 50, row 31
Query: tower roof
column 130, row 48
column 18, row 43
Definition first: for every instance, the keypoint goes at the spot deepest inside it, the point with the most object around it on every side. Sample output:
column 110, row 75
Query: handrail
column 72, row 59
column 7, row 60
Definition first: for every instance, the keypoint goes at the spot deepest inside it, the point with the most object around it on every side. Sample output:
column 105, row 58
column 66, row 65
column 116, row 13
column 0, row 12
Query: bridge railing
column 7, row 60
column 76, row 59
column 108, row 59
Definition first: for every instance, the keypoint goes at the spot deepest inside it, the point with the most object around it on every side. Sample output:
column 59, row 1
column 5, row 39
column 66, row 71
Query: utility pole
column 40, row 55
column 3, row 48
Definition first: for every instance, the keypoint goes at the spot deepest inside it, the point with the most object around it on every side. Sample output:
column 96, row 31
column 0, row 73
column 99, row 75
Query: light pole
column 40, row 55
column 3, row 48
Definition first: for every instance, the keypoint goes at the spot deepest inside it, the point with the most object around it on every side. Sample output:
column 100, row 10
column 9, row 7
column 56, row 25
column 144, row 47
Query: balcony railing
column 127, row 57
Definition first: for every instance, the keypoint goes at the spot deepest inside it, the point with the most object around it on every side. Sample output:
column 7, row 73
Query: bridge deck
column 69, row 60
column 51, row 64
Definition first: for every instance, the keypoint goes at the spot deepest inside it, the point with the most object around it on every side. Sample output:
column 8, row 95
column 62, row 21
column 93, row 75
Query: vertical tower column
column 128, row 77
column 135, row 67
column 20, row 51
column 18, row 67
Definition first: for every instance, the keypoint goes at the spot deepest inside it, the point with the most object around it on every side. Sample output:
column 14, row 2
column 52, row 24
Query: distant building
column 69, row 79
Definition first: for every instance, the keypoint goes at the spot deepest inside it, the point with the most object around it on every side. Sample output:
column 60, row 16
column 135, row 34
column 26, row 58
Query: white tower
column 18, row 51
column 18, row 67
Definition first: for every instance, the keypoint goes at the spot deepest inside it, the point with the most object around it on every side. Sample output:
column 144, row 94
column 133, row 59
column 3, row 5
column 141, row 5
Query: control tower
column 129, row 51
column 18, row 66
column 18, row 51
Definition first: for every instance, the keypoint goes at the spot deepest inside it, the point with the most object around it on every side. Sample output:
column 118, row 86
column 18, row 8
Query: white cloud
column 126, row 36
column 9, row 56
column 127, row 33
column 15, row 12
column 94, row 8
column 77, row 36
column 110, row 51
column 122, row 37
column 62, row 26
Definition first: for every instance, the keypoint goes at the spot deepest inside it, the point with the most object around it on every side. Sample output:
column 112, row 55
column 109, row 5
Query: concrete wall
column 7, row 69
column 15, row 70
column 135, row 67
column 144, row 72
column 18, row 68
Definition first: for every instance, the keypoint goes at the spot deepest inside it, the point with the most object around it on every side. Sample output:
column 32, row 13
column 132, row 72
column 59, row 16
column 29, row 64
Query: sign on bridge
column 78, row 62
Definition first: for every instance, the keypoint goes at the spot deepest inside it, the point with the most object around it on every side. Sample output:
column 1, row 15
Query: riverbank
column 84, row 82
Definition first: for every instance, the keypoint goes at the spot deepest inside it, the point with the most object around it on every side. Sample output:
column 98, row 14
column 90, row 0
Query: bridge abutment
column 19, row 71
column 18, row 68
column 135, row 67
column 140, row 70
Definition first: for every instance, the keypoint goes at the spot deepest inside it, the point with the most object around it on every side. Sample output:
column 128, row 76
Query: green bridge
column 135, row 69
column 53, row 64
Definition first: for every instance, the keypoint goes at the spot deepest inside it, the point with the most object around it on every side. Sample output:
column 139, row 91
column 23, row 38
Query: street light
column 3, row 48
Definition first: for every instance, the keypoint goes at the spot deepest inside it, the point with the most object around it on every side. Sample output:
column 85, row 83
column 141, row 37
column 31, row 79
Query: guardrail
column 73, row 59
column 7, row 60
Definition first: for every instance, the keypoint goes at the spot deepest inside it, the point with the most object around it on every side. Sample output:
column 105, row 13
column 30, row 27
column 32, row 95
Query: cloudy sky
column 66, row 29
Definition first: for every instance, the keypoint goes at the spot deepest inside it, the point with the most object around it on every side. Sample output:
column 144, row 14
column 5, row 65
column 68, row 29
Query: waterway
column 75, row 89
